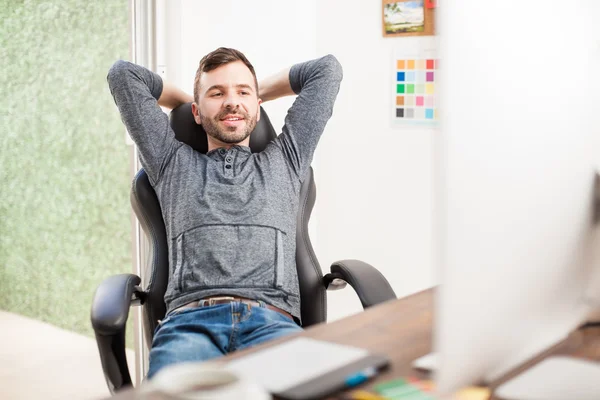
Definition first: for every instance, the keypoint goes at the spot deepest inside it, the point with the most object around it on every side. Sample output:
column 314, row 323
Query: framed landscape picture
column 408, row 18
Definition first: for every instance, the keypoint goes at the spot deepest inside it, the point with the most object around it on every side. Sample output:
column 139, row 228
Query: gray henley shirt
column 230, row 215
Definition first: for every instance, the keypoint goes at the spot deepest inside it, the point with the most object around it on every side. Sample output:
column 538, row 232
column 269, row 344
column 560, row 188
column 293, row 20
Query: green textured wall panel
column 64, row 166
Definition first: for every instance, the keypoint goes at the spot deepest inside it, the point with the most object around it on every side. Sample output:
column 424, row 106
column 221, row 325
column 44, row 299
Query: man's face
column 228, row 106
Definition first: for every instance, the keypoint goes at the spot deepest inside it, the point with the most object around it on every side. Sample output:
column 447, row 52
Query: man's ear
column 258, row 112
column 196, row 113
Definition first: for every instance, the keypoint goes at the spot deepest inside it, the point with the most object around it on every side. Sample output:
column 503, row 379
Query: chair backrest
column 146, row 207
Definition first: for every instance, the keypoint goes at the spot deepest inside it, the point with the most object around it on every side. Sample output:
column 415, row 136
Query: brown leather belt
column 211, row 301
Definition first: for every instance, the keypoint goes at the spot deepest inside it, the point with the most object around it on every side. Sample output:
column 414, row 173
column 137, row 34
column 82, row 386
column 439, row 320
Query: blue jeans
column 203, row 333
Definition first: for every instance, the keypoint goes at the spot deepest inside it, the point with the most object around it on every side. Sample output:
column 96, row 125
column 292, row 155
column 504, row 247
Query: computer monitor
column 517, row 155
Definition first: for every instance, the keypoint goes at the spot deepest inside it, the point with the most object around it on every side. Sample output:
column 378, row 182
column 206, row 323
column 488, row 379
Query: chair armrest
column 369, row 284
column 110, row 309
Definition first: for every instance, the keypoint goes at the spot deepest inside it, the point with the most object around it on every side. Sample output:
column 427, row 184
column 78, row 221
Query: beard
column 231, row 134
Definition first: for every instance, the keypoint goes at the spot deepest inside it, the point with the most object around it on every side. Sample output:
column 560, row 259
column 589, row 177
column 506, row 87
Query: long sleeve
column 136, row 90
column 317, row 84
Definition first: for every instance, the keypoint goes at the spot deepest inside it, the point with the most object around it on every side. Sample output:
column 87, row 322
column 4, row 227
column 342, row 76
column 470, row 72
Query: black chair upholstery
column 114, row 296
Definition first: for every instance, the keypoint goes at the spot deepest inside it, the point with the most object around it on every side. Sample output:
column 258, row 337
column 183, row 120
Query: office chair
column 114, row 296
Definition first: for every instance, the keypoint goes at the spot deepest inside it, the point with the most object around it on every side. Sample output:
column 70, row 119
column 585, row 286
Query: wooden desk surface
column 402, row 330
column 399, row 329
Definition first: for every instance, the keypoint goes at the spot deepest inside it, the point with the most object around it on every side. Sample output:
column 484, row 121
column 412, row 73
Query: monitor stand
column 555, row 378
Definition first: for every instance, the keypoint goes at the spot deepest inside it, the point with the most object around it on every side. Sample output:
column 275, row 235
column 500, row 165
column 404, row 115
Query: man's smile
column 232, row 120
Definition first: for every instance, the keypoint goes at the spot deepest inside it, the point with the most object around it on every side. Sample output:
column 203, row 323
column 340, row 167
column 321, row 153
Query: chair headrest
column 189, row 132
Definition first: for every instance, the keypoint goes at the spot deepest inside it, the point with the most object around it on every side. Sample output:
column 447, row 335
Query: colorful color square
column 415, row 97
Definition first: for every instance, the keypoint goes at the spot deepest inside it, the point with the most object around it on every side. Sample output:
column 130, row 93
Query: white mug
column 202, row 381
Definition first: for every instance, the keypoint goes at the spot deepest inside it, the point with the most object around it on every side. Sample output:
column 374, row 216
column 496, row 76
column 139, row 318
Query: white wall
column 374, row 182
column 273, row 34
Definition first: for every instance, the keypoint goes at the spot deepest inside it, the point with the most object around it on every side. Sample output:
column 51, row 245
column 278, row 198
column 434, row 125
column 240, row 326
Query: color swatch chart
column 415, row 90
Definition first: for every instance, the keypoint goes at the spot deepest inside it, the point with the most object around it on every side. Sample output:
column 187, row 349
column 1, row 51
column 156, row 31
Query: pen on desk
column 360, row 377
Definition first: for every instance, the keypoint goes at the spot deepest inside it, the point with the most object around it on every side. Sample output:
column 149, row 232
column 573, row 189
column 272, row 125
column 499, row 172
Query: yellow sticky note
column 364, row 395
column 472, row 393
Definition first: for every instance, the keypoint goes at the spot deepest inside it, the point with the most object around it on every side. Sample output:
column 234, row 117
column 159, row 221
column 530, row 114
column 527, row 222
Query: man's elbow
column 333, row 67
column 117, row 72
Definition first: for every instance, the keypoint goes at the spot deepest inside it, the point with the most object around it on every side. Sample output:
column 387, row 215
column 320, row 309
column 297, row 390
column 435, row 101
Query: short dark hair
column 217, row 58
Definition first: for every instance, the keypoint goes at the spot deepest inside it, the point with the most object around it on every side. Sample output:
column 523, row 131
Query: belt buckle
column 211, row 300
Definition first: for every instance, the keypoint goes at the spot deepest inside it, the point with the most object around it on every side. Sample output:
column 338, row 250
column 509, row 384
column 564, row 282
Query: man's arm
column 317, row 83
column 173, row 97
column 275, row 86
column 136, row 90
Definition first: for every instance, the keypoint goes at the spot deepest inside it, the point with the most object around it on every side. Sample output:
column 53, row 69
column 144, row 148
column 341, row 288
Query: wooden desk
column 399, row 329
column 402, row 330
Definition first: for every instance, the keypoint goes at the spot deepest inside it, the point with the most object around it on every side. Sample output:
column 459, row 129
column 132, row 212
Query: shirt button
column 222, row 151
column 228, row 166
column 228, row 159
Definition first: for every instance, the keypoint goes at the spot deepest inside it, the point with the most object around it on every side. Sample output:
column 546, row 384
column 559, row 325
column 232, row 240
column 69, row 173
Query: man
column 230, row 214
